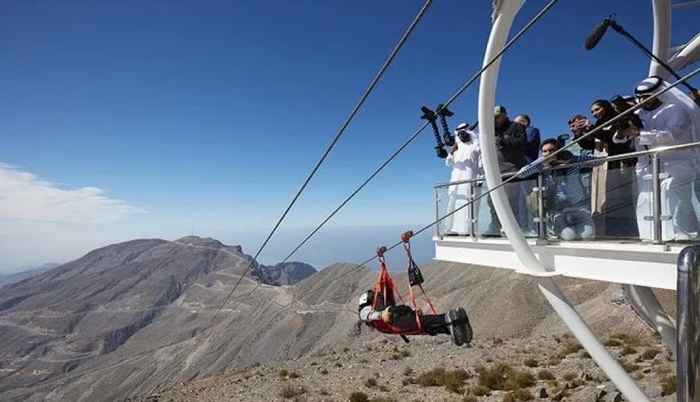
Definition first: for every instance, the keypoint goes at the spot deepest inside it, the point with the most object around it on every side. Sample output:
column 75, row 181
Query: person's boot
column 456, row 328
column 468, row 331
column 460, row 328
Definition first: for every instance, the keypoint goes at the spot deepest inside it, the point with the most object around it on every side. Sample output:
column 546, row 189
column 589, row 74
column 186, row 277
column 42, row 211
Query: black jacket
column 510, row 143
column 605, row 134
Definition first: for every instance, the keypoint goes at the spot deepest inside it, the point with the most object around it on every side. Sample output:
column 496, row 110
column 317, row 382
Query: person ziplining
column 377, row 307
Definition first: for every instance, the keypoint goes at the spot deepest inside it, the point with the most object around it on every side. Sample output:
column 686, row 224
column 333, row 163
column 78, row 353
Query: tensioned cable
column 410, row 139
column 545, row 159
column 335, row 140
column 537, row 162
column 449, row 101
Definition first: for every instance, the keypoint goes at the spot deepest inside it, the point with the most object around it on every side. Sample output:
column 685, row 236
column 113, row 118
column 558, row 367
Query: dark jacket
column 532, row 143
column 510, row 144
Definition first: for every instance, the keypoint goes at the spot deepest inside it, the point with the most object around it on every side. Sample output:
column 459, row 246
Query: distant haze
column 335, row 244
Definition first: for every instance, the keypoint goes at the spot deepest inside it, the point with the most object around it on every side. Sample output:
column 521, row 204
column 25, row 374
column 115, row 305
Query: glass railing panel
column 460, row 198
column 678, row 214
column 568, row 198
column 612, row 199
column 524, row 205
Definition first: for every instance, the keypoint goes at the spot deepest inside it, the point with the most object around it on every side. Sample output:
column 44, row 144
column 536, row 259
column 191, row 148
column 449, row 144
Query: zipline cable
column 515, row 176
column 335, row 140
column 545, row 159
column 410, row 139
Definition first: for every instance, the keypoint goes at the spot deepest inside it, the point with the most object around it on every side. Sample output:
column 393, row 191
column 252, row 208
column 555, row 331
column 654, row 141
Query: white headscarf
column 677, row 97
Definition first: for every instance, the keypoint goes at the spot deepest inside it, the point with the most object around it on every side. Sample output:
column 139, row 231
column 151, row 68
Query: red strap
column 406, row 239
column 385, row 286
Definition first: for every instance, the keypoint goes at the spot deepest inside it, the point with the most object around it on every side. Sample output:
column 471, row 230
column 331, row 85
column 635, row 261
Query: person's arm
column 514, row 136
column 450, row 160
column 368, row 314
column 588, row 142
column 531, row 168
column 677, row 130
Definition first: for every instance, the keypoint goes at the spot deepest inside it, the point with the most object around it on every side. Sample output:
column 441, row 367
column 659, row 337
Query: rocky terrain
column 539, row 368
column 144, row 321
column 110, row 322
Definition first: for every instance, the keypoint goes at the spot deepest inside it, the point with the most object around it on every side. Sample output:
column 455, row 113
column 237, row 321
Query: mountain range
column 126, row 319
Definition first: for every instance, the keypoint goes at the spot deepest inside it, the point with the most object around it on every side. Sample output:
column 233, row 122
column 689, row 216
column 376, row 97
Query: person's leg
column 568, row 233
column 404, row 317
column 434, row 324
column 495, row 225
column 679, row 198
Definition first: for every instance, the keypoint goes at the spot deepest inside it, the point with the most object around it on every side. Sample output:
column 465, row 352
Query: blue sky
column 206, row 116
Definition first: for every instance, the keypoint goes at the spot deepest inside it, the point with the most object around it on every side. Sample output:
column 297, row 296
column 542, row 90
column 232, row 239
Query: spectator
column 532, row 152
column 567, row 216
column 578, row 125
column 613, row 212
column 532, row 137
column 510, row 141
column 665, row 121
column 465, row 161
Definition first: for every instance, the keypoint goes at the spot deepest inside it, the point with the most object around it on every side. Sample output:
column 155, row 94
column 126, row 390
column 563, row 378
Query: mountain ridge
column 122, row 321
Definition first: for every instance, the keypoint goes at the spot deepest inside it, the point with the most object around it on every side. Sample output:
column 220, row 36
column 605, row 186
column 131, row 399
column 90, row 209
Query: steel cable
column 335, row 140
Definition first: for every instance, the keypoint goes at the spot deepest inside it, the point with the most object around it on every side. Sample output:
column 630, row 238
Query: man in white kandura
column 465, row 161
column 666, row 120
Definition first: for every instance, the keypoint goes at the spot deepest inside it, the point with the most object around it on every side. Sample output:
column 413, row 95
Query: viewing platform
column 565, row 236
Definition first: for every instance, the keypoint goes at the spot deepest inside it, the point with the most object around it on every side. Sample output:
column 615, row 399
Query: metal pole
column 541, row 229
column 688, row 297
column 472, row 211
column 656, row 192
column 437, row 212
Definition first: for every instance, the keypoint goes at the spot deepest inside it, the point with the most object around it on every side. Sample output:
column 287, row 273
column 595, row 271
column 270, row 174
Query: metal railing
column 444, row 193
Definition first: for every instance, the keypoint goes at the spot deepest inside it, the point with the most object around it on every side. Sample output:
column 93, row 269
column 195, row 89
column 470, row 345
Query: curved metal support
column 688, row 299
column 647, row 307
column 503, row 19
column 686, row 54
column 662, row 37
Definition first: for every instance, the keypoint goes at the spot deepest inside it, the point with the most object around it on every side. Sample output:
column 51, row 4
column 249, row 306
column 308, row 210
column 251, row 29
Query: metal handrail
column 629, row 155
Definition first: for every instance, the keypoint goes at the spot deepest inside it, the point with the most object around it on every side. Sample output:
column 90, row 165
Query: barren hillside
column 128, row 320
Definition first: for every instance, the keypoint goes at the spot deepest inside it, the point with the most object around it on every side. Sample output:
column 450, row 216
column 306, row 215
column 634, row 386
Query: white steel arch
column 503, row 16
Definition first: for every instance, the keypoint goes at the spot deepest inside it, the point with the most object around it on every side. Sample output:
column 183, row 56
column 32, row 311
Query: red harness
column 385, row 287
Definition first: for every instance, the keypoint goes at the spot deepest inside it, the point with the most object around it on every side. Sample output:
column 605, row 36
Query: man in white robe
column 666, row 121
column 465, row 161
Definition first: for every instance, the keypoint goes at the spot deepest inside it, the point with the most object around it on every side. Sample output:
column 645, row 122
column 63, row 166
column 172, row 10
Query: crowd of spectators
column 591, row 189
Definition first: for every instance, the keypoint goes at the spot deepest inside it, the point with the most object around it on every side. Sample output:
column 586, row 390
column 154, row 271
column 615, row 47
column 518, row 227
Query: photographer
column 510, row 143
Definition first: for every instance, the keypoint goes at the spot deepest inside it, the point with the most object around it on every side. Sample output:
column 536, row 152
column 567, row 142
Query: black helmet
column 366, row 299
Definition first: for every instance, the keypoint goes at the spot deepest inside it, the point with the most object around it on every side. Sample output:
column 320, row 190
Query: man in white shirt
column 665, row 122
column 465, row 161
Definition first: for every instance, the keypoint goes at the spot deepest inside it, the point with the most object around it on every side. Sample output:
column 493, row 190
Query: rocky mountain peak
column 208, row 242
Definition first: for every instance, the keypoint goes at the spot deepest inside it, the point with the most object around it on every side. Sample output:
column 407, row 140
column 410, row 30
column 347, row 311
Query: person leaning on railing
column 567, row 216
